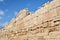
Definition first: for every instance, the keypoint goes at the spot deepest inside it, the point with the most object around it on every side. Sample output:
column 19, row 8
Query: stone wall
column 44, row 24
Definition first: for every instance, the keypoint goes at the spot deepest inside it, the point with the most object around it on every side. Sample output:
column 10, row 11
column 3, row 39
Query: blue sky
column 9, row 8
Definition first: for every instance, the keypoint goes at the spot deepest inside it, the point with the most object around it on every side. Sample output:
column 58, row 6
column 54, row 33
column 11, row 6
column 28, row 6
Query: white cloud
column 1, row 12
column 15, row 13
column 2, row 25
column 0, row 18
column 1, row 0
column 5, row 23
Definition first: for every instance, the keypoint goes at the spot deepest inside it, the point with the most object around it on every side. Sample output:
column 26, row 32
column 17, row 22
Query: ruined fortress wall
column 43, row 25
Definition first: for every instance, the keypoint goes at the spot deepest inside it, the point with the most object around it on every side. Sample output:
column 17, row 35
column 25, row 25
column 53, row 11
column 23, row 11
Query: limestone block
column 36, row 37
column 27, row 18
column 56, row 33
column 30, row 22
column 53, row 36
column 58, row 27
column 23, row 13
column 58, row 11
column 44, row 25
column 34, row 15
column 39, row 19
column 34, row 20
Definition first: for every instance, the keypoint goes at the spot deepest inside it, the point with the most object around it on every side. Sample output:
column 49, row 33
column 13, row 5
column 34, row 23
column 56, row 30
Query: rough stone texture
column 43, row 25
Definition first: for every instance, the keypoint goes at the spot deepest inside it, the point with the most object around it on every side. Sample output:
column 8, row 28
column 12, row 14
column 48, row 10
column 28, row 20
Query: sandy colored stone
column 44, row 24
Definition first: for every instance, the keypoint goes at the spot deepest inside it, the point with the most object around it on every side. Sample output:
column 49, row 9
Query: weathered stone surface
column 43, row 25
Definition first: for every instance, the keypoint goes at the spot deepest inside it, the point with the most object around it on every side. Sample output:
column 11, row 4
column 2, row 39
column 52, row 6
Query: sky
column 10, row 8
